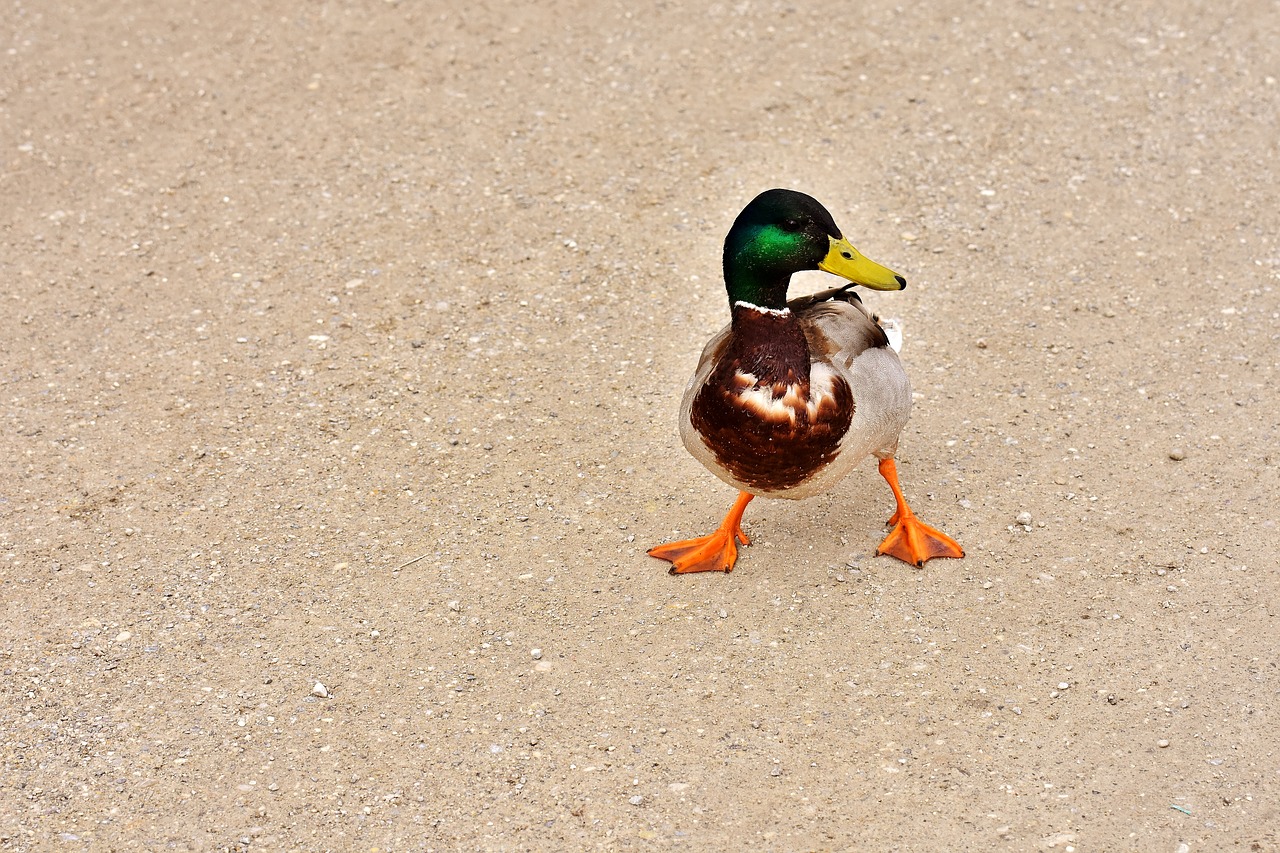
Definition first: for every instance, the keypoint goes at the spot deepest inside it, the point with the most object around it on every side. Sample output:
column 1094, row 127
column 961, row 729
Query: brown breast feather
column 757, row 413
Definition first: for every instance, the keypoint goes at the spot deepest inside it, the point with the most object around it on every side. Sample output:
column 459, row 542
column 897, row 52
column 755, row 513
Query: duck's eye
column 791, row 224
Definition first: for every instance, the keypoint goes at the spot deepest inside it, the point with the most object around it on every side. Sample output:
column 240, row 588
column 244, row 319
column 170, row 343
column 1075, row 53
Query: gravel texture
column 340, row 354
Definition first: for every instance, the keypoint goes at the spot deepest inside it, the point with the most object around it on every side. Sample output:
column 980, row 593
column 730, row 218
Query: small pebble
column 1177, row 454
column 1062, row 685
column 124, row 637
column 455, row 606
column 1111, row 699
column 320, row 690
column 1162, row 743
column 777, row 771
column 536, row 654
column 636, row 800
column 1023, row 517
column 723, row 614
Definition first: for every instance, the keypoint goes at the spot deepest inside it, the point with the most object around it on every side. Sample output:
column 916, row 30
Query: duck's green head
column 783, row 232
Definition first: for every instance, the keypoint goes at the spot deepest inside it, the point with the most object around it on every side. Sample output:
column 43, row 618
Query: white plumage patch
column 776, row 312
column 761, row 399
column 892, row 330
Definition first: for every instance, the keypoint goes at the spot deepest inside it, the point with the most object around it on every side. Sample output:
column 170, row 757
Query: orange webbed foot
column 914, row 542
column 911, row 540
column 715, row 553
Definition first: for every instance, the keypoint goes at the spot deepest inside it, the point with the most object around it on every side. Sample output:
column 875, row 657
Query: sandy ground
column 292, row 298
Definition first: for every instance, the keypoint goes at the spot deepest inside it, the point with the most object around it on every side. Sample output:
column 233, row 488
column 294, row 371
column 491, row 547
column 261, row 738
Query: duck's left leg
column 911, row 540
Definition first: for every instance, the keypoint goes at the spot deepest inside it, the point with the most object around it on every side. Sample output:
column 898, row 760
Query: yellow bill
column 848, row 263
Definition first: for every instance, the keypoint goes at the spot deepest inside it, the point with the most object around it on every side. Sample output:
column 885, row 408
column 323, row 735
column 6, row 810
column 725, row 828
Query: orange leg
column 715, row 553
column 911, row 540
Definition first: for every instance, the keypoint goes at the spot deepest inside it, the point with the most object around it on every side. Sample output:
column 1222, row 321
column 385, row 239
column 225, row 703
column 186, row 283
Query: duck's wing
column 838, row 326
column 711, row 355
column 844, row 292
column 845, row 338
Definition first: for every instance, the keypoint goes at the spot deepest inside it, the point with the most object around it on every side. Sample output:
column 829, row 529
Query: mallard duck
column 789, row 396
